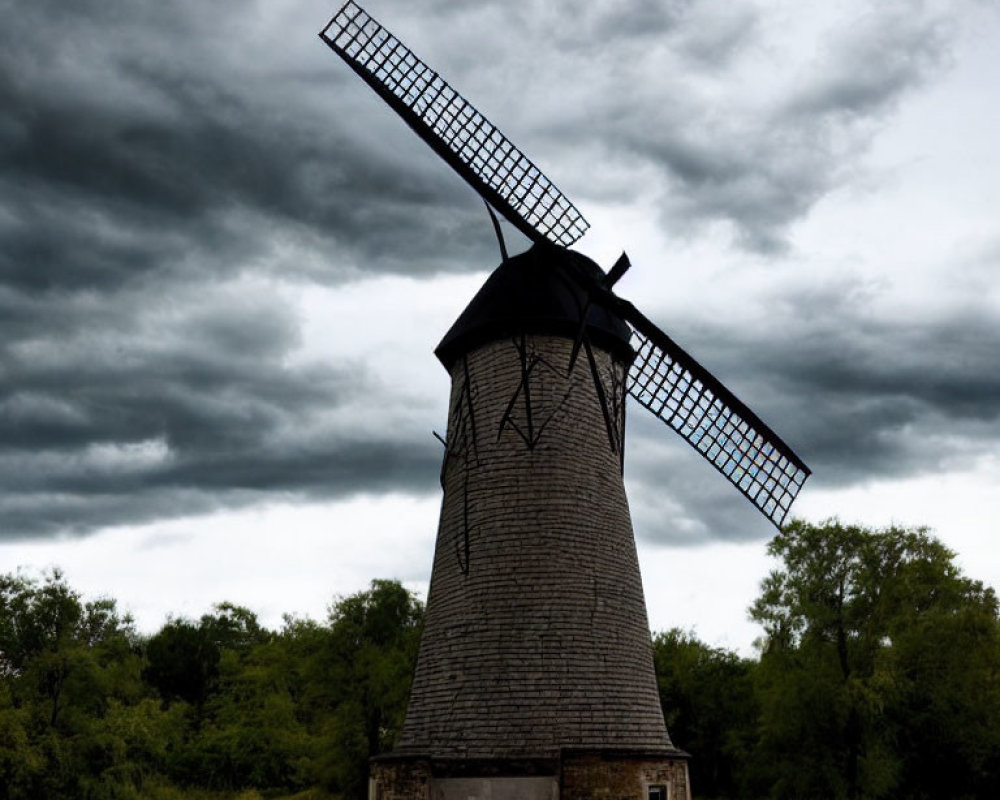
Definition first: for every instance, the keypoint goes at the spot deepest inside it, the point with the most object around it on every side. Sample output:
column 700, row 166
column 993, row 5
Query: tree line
column 877, row 675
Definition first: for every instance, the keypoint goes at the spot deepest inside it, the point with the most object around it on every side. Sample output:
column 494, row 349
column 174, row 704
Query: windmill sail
column 663, row 377
column 460, row 134
column 692, row 401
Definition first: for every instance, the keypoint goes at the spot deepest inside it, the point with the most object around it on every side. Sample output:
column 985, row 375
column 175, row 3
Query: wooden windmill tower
column 535, row 676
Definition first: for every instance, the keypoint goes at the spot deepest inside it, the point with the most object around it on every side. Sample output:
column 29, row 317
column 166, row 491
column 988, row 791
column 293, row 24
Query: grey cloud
column 124, row 405
column 761, row 167
column 861, row 394
column 151, row 159
column 118, row 159
column 760, row 186
column 678, row 498
column 157, row 152
column 716, row 37
column 198, row 142
column 862, row 397
column 81, row 503
column 597, row 25
column 867, row 68
column 608, row 30
column 899, row 399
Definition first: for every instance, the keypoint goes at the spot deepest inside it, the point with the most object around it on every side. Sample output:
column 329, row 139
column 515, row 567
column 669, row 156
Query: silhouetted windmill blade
column 687, row 397
column 460, row 134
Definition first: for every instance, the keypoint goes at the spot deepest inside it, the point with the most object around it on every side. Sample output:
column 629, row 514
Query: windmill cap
column 539, row 292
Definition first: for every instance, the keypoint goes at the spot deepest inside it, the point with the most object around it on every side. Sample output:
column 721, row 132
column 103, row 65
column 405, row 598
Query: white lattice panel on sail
column 459, row 133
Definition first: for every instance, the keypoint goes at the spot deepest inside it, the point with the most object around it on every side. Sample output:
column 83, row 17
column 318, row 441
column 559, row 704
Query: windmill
column 534, row 678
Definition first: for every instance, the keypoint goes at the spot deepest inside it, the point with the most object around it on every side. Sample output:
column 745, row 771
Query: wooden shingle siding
column 536, row 637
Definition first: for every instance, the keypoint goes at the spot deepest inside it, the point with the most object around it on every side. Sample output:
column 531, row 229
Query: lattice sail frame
column 688, row 398
column 461, row 135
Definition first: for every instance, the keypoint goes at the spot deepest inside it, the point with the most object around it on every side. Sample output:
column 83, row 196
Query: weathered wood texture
column 536, row 637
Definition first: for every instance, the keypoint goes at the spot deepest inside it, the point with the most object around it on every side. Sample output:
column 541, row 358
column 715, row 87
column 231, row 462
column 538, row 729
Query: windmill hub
column 537, row 292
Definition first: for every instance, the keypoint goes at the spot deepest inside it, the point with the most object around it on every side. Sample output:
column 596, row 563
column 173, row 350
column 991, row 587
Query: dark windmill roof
column 536, row 292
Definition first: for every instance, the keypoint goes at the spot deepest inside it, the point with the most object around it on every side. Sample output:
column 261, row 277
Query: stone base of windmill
column 574, row 775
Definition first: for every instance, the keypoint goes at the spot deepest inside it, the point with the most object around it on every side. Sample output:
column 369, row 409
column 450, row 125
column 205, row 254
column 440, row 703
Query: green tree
column 879, row 668
column 362, row 679
column 21, row 762
column 709, row 705
column 182, row 662
column 90, row 710
column 64, row 664
column 250, row 731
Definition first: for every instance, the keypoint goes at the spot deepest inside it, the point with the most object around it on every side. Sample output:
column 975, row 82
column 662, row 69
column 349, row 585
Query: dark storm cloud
column 146, row 132
column 678, row 498
column 155, row 160
column 81, row 503
column 896, row 398
column 859, row 396
column 160, row 162
column 120, row 415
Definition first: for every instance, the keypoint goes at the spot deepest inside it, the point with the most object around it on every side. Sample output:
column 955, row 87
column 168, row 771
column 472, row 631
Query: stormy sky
column 224, row 265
